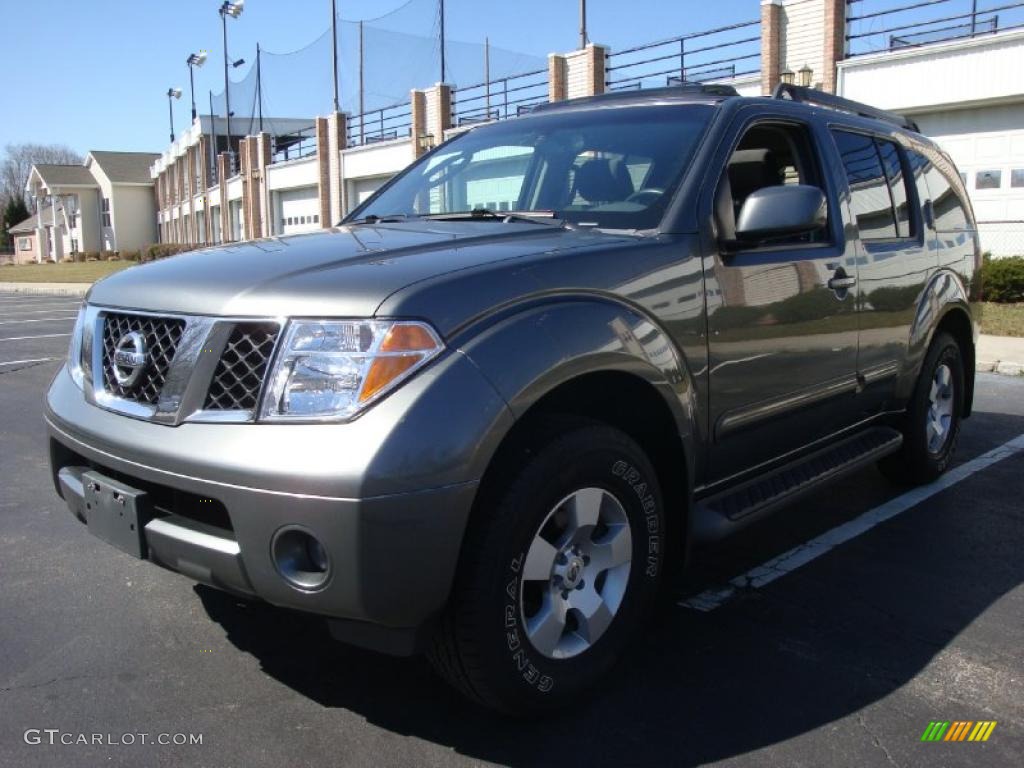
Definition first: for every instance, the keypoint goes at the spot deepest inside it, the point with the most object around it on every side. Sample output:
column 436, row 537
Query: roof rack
column 683, row 88
column 822, row 99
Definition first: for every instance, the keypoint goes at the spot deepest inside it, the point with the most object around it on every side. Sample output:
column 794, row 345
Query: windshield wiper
column 384, row 218
column 546, row 218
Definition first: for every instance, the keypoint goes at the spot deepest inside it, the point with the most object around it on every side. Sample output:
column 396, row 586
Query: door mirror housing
column 781, row 211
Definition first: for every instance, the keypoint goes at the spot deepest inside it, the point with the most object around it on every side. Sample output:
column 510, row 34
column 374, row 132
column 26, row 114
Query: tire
column 499, row 641
column 931, row 427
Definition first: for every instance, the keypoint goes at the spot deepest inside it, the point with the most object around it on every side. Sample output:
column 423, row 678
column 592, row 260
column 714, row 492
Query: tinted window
column 947, row 205
column 870, row 200
column 897, row 186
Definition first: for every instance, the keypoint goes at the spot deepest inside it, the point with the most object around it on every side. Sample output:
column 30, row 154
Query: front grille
column 162, row 335
column 242, row 366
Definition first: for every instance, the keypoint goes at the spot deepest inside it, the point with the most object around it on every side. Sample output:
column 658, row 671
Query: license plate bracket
column 116, row 513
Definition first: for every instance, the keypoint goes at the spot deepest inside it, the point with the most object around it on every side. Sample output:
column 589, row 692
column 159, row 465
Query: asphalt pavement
column 917, row 616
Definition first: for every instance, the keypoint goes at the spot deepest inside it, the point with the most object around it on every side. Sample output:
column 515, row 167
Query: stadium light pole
column 172, row 93
column 583, row 24
column 234, row 10
column 194, row 60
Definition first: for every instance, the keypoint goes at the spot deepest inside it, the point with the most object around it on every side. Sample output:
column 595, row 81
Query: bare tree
column 18, row 161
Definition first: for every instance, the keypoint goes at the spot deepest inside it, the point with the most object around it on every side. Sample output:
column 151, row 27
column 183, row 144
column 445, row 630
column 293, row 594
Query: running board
column 717, row 516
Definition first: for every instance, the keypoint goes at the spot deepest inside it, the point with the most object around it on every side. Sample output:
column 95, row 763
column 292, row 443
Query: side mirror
column 780, row 211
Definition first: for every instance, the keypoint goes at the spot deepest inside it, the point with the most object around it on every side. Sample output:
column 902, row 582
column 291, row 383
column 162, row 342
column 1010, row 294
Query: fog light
column 300, row 558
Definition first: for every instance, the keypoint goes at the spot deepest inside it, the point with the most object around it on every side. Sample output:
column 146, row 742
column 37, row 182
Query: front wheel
column 932, row 423
column 559, row 568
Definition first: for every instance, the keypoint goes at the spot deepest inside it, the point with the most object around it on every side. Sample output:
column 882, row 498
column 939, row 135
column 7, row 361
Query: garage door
column 298, row 210
column 363, row 188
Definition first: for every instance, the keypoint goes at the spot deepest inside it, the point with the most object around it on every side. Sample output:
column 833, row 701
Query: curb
column 46, row 289
column 1004, row 367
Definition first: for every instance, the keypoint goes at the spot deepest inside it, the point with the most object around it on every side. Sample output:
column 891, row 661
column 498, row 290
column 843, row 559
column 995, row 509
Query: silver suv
column 482, row 415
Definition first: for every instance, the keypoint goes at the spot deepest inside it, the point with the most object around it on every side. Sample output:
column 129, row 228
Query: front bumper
column 362, row 488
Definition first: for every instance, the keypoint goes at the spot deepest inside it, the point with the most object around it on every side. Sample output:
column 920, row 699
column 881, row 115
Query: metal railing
column 384, row 124
column 876, row 25
column 500, row 98
column 293, row 146
column 722, row 53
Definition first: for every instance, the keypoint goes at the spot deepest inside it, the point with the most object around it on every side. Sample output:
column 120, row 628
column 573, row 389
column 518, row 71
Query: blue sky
column 93, row 74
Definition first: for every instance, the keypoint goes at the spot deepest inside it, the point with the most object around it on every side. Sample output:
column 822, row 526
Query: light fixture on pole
column 172, row 93
column 787, row 76
column 805, row 73
column 194, row 60
column 234, row 10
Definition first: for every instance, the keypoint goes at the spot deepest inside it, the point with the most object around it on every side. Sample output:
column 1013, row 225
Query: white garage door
column 363, row 188
column 987, row 144
column 298, row 210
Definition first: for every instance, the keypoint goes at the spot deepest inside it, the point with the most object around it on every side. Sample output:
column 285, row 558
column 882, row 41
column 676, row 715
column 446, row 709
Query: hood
column 343, row 272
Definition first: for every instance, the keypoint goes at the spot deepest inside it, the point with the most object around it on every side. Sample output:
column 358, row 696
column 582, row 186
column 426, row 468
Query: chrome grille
column 243, row 364
column 162, row 335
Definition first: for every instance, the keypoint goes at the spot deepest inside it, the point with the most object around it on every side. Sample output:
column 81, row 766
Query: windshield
column 609, row 168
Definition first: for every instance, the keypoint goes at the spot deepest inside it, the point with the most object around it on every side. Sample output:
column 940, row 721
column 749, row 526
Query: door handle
column 842, row 283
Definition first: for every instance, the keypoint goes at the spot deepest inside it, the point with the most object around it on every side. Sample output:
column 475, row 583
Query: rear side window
column 870, row 198
column 946, row 191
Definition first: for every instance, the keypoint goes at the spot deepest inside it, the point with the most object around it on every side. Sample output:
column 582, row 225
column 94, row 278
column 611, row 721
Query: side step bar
column 717, row 516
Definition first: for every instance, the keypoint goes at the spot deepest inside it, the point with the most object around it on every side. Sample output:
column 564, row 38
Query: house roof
column 64, row 175
column 29, row 225
column 125, row 167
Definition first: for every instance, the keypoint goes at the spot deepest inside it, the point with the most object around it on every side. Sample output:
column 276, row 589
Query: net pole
column 487, row 76
column 334, row 48
column 259, row 86
column 362, row 110
column 441, row 11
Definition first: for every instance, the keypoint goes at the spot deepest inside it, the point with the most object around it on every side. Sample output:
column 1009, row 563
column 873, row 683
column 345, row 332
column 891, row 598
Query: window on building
column 316, row 218
column 870, row 198
column 1017, row 177
column 73, row 220
column 24, row 244
column 74, row 245
column 988, row 179
column 105, row 211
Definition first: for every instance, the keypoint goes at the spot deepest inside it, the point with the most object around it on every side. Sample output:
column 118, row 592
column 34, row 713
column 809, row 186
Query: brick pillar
column 557, row 77
column 771, row 23
column 418, row 118
column 323, row 172
column 223, row 172
column 835, row 42
column 439, row 111
column 264, row 221
column 202, row 152
column 243, row 172
column 595, row 57
column 190, row 191
column 337, row 140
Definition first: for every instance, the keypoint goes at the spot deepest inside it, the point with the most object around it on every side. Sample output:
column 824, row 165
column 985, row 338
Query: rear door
column 895, row 248
column 782, row 343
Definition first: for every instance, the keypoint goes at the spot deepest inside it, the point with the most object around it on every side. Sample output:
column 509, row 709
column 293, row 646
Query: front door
column 782, row 329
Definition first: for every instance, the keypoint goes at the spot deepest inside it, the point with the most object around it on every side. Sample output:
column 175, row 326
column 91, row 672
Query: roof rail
column 666, row 91
column 822, row 99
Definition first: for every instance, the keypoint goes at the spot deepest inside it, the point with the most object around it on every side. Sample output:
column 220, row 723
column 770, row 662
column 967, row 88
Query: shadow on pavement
column 814, row 647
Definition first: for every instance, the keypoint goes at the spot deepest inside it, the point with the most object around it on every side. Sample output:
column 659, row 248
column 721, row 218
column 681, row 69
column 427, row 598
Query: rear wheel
column 932, row 423
column 559, row 568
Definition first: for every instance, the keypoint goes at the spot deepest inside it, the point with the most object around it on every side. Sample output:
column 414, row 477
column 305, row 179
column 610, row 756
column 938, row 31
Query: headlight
column 75, row 349
column 329, row 369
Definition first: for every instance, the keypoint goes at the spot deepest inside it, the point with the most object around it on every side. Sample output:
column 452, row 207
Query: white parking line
column 40, row 336
column 19, row 313
column 38, row 320
column 801, row 555
column 33, row 360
